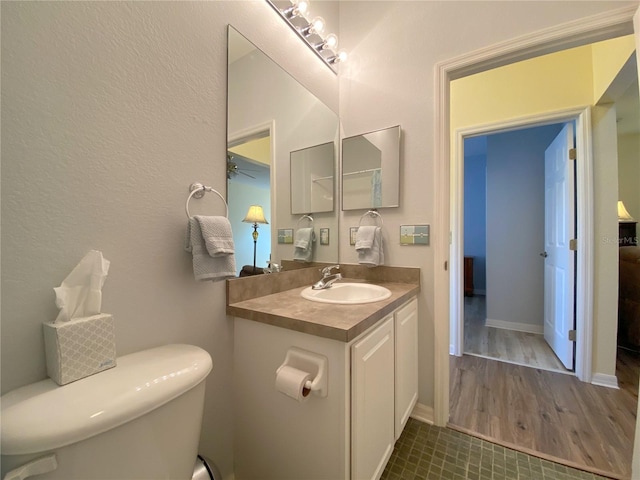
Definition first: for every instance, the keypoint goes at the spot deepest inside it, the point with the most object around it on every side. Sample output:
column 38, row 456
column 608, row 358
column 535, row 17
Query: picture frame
column 285, row 236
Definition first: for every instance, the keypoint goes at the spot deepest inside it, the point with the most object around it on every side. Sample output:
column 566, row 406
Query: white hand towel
column 303, row 244
column 364, row 237
column 217, row 235
column 206, row 267
column 374, row 256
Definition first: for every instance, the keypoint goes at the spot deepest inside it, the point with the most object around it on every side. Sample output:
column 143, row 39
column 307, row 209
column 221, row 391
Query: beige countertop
column 287, row 309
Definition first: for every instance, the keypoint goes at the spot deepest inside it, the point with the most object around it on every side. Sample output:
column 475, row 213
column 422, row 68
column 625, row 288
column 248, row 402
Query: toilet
column 139, row 420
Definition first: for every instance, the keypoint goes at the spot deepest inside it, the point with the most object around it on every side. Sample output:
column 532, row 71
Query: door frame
column 591, row 29
column 584, row 222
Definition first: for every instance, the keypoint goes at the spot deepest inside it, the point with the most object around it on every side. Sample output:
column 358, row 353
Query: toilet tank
column 139, row 420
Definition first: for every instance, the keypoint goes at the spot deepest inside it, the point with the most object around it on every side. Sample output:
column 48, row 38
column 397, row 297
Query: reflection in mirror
column 312, row 179
column 270, row 115
column 371, row 170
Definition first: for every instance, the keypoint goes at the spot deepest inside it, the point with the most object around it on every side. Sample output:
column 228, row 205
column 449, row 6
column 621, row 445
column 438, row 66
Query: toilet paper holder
column 313, row 363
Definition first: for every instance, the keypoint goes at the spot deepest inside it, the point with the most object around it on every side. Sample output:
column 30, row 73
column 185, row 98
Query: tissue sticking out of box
column 80, row 294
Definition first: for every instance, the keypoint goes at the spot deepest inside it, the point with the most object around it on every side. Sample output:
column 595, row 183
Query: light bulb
column 298, row 8
column 342, row 56
column 331, row 41
column 317, row 25
column 302, row 6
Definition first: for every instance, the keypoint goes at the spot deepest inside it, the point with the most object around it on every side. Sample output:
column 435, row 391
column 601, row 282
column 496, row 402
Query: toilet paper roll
column 291, row 382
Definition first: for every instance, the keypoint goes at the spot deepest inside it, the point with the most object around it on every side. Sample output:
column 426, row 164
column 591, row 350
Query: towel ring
column 198, row 190
column 308, row 217
column 374, row 214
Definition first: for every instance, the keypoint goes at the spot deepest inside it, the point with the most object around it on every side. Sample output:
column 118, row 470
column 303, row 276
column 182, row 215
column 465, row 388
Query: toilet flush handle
column 35, row 467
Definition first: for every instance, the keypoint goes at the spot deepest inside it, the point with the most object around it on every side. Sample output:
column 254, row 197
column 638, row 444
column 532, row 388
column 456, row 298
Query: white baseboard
column 605, row 380
column 423, row 413
column 519, row 327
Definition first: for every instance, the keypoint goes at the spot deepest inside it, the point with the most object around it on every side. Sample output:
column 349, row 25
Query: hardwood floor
column 506, row 345
column 548, row 414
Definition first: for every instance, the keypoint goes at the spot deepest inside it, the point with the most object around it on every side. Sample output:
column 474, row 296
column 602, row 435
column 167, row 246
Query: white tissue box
column 80, row 347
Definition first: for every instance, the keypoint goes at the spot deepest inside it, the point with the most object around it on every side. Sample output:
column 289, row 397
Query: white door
column 559, row 262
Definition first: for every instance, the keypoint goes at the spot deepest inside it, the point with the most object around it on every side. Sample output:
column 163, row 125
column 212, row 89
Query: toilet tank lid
column 45, row 416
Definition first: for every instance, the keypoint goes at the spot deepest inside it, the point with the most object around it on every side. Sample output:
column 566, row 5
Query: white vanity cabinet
column 372, row 400
column 384, row 389
column 348, row 434
column 406, row 363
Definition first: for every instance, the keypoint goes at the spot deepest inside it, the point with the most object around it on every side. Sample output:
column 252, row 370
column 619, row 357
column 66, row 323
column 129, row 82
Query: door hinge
column 446, row 265
column 573, row 244
column 573, row 154
column 572, row 335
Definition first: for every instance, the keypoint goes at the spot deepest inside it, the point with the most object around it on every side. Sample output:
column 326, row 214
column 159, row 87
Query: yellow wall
column 571, row 78
column 258, row 150
column 608, row 58
column 548, row 83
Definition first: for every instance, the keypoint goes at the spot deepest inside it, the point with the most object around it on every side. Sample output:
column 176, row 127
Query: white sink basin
column 347, row 293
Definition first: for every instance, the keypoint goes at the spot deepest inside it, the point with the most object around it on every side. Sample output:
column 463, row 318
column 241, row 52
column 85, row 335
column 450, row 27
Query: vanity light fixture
column 311, row 32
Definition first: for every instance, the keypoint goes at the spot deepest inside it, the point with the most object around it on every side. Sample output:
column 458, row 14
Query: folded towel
column 217, row 235
column 373, row 256
column 206, row 267
column 303, row 244
column 303, row 238
column 364, row 237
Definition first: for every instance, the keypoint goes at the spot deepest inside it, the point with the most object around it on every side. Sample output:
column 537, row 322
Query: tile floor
column 424, row 451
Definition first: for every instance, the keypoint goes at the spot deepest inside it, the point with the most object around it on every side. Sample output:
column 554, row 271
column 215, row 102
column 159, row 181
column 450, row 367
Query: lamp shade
column 623, row 214
column 255, row 215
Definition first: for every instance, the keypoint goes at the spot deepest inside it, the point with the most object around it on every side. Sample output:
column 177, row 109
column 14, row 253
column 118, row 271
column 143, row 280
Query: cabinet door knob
column 544, row 254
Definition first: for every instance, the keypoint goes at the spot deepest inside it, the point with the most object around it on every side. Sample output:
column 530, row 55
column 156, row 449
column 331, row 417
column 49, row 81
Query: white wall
column 389, row 80
column 606, row 250
column 109, row 111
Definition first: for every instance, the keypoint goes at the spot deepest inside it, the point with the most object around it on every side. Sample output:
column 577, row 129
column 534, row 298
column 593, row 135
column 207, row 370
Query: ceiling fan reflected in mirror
column 235, row 168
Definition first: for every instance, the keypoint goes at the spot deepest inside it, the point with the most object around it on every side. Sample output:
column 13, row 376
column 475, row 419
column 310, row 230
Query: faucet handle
column 327, row 270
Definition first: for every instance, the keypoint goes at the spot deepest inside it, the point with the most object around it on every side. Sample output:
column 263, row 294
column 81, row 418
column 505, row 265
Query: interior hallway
column 542, row 412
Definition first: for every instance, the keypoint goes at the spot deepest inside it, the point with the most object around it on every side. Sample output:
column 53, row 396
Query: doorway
column 505, row 257
column 249, row 183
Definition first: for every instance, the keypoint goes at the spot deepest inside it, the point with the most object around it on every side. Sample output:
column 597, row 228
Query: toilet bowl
column 139, row 420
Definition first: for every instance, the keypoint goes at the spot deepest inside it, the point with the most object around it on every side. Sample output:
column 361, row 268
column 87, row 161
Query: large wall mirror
column 271, row 117
column 371, row 170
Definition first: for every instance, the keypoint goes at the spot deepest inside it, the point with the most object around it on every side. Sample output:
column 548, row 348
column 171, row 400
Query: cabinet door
column 406, row 338
column 372, row 402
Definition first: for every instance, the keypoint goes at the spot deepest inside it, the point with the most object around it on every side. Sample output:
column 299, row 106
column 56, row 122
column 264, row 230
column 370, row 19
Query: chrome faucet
column 328, row 278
